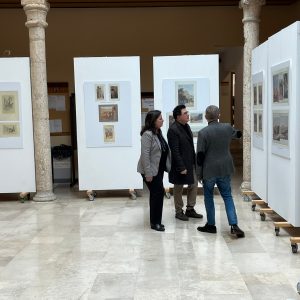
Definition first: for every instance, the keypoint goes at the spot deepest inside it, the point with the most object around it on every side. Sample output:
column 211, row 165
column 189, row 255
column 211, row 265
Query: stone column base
column 44, row 197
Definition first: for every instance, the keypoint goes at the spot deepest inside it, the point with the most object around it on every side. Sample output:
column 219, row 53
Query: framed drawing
column 185, row 93
column 196, row 117
column 280, row 86
column 9, row 130
column 281, row 127
column 255, row 95
column 170, row 119
column 109, row 133
column 100, row 92
column 114, row 92
column 9, row 106
column 108, row 113
column 255, row 122
column 260, row 94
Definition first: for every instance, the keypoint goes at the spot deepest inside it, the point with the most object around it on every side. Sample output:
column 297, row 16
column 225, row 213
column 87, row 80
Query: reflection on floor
column 104, row 249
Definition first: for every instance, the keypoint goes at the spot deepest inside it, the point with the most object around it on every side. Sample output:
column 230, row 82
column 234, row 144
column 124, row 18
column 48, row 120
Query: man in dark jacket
column 215, row 166
column 183, row 167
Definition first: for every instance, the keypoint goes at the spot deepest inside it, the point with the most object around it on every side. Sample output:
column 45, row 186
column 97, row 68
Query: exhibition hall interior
column 77, row 82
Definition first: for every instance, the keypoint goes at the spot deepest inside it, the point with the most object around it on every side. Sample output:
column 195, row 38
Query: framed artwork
column 108, row 113
column 196, row 129
column 9, row 106
column 170, row 119
column 255, row 122
column 255, row 95
column 281, row 127
column 185, row 93
column 114, row 92
column 100, row 92
column 260, row 94
column 9, row 130
column 280, row 87
column 196, row 117
column 260, row 123
column 109, row 133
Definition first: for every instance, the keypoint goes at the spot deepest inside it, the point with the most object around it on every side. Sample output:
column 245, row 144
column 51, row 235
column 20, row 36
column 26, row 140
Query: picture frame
column 280, row 86
column 185, row 93
column 100, row 92
column 9, row 106
column 114, row 92
column 108, row 133
column 108, row 113
column 280, row 125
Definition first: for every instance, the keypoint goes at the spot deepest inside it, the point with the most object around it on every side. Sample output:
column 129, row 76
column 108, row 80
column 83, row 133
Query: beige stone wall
column 145, row 32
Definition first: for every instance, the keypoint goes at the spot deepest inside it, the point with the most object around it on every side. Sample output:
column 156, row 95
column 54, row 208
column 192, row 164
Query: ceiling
column 138, row 3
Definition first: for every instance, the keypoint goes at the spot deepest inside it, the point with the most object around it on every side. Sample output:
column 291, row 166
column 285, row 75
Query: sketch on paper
column 109, row 133
column 260, row 125
column 255, row 95
column 196, row 117
column 281, row 127
column 100, row 92
column 170, row 119
column 108, row 113
column 186, row 93
column 255, row 122
column 260, row 94
column 9, row 130
column 9, row 106
column 114, row 92
column 281, row 86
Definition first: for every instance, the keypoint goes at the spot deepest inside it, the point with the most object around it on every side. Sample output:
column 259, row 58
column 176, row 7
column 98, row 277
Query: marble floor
column 104, row 249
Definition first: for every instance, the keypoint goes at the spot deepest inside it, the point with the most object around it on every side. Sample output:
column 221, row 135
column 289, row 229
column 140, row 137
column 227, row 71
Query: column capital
column 251, row 9
column 36, row 12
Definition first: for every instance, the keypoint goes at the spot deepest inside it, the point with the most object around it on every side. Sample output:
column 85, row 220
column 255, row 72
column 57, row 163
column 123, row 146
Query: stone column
column 36, row 12
column 251, row 11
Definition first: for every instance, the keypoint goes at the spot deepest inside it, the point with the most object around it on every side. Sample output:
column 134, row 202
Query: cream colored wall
column 145, row 32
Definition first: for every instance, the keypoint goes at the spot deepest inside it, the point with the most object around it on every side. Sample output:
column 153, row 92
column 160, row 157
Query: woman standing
column 153, row 162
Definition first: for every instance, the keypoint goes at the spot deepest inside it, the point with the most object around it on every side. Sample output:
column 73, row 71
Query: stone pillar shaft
column 36, row 11
column 251, row 11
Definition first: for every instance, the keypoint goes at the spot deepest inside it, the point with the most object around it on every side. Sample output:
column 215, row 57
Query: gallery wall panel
column 108, row 112
column 17, row 171
column 192, row 80
column 259, row 115
column 284, row 124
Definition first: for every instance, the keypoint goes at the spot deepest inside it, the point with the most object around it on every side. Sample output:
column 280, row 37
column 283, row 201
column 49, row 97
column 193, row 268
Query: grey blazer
column 213, row 150
column 150, row 155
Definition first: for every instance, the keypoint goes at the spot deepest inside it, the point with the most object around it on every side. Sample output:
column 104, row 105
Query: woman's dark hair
column 177, row 111
column 151, row 117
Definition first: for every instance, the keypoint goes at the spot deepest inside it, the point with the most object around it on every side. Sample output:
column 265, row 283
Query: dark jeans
column 223, row 184
column 156, row 199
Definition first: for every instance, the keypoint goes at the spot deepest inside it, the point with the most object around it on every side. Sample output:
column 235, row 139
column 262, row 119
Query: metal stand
column 132, row 194
column 24, row 196
column 91, row 195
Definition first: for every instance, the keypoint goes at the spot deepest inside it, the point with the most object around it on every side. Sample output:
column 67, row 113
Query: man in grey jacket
column 215, row 166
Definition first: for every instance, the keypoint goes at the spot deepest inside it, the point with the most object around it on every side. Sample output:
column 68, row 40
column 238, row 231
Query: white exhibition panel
column 283, row 157
column 259, row 146
column 109, row 168
column 17, row 171
column 199, row 71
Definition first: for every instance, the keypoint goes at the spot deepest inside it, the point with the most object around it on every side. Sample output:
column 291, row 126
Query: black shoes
column 191, row 213
column 208, row 228
column 158, row 227
column 237, row 231
column 181, row 216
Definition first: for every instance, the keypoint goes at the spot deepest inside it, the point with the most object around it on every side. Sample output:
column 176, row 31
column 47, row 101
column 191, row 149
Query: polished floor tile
column 73, row 248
